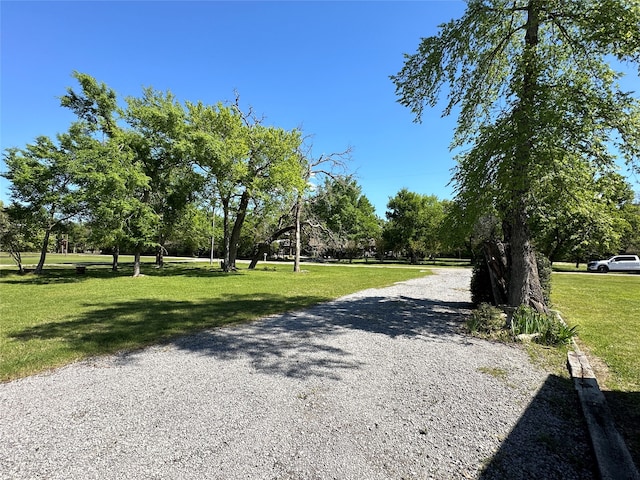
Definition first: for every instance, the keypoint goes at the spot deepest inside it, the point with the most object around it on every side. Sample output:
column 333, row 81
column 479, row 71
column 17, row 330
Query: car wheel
column 603, row 269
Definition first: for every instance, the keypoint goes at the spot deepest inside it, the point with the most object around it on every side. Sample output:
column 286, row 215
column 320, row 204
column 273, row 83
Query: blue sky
column 320, row 66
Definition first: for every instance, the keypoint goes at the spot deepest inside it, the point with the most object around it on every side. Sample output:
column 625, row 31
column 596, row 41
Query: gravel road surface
column 381, row 384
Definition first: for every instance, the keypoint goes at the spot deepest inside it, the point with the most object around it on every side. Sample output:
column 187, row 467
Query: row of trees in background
column 340, row 222
column 158, row 176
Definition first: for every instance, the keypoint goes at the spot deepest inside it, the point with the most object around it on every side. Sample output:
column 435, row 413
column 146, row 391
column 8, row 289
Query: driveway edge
column 612, row 455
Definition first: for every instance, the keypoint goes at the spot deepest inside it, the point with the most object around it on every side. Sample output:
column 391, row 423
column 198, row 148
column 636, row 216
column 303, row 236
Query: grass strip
column 606, row 309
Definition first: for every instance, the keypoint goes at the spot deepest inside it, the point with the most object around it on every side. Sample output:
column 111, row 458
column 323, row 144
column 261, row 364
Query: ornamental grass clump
column 546, row 329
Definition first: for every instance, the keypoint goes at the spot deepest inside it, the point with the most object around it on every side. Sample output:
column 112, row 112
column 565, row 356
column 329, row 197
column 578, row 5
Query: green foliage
column 581, row 216
column 414, row 224
column 248, row 166
column 96, row 106
column 18, row 232
column 45, row 181
column 192, row 232
column 155, row 140
column 547, row 329
column 630, row 241
column 486, row 319
column 348, row 215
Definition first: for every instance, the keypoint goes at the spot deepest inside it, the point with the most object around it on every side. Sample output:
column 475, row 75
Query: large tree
column 157, row 135
column 581, row 217
column 631, row 239
column 535, row 94
column 245, row 162
column 349, row 218
column 414, row 224
column 139, row 182
column 18, row 232
column 114, row 180
column 44, row 180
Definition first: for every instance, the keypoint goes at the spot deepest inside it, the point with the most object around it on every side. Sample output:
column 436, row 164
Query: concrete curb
column 612, row 455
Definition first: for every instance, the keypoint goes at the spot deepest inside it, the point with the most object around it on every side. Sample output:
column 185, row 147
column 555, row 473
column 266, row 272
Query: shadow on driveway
column 298, row 344
column 550, row 440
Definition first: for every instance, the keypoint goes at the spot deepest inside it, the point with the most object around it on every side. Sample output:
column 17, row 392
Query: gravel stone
column 380, row 384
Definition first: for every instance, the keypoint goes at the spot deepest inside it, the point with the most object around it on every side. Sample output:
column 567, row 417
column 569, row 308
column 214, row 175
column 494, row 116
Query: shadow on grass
column 137, row 323
column 103, row 271
column 550, row 441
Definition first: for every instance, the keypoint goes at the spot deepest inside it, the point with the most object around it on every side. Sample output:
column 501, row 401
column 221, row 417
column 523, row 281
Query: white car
column 619, row 263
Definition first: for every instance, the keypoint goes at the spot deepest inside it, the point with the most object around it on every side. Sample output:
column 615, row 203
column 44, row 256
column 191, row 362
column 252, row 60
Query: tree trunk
column 136, row 264
column 298, row 210
column 159, row 256
column 261, row 249
column 43, row 252
column 114, row 261
column 524, row 280
column 213, row 231
column 237, row 228
column 160, row 251
column 226, row 234
column 496, row 256
column 17, row 257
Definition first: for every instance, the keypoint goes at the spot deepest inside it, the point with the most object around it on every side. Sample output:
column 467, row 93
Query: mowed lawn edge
column 606, row 309
column 59, row 317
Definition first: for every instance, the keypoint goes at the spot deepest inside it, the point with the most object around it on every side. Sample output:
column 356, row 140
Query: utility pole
column 213, row 230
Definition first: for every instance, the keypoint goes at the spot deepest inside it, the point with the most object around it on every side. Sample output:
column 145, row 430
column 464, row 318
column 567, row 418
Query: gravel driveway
column 381, row 384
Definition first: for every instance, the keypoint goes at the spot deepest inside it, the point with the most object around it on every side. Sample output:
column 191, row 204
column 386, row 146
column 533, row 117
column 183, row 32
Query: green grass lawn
column 59, row 317
column 30, row 259
column 569, row 267
column 607, row 310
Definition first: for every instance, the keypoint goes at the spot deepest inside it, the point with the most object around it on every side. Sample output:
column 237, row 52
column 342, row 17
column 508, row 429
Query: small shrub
column 547, row 328
column 486, row 319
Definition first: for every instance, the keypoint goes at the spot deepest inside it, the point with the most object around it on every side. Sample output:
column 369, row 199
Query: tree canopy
column 348, row 215
column 45, row 182
column 414, row 224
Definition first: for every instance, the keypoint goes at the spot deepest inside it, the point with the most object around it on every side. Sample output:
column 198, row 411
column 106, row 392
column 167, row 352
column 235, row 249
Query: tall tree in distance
column 18, row 232
column 44, row 180
column 158, row 125
column 414, row 224
column 535, row 93
column 347, row 215
column 244, row 161
column 326, row 166
column 115, row 174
